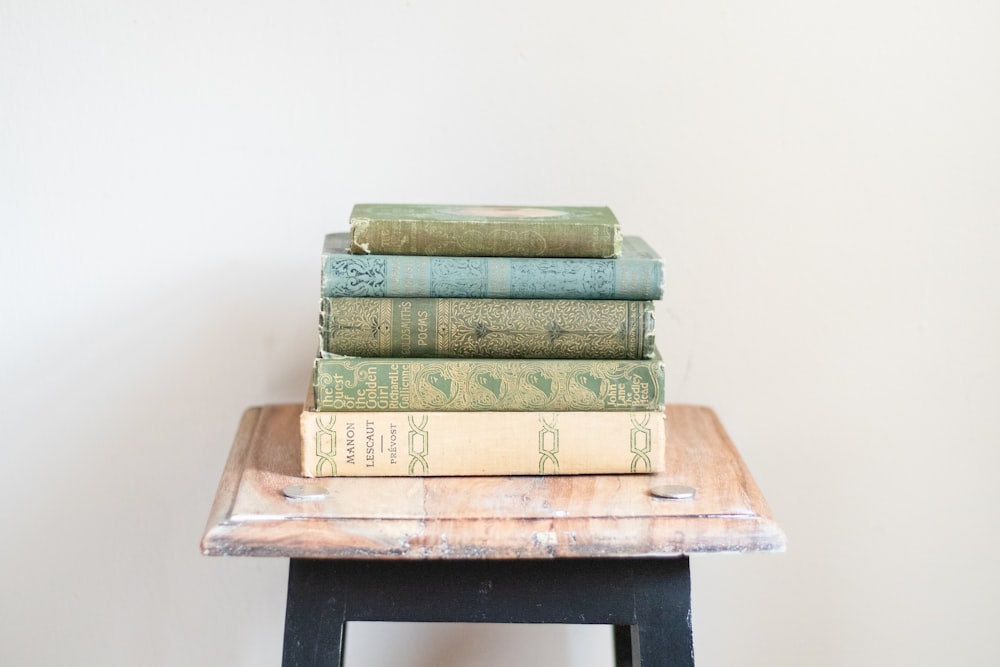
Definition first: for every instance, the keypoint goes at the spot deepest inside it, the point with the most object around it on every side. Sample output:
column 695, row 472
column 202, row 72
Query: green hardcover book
column 449, row 385
column 490, row 328
column 485, row 231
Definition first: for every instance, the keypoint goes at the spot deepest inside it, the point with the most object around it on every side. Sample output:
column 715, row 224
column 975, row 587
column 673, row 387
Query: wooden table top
column 488, row 517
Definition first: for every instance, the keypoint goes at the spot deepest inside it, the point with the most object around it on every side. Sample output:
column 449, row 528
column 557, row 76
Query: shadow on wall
column 477, row 644
column 129, row 429
column 126, row 427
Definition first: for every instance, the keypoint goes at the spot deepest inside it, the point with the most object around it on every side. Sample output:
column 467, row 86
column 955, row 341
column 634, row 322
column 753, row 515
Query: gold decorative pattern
column 486, row 328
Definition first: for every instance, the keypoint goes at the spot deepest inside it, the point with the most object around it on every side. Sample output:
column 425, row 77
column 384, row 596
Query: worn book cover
column 636, row 275
column 448, row 385
column 490, row 231
column 493, row 328
column 398, row 444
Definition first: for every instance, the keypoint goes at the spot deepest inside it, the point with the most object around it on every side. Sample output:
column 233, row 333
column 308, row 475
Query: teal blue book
column 636, row 275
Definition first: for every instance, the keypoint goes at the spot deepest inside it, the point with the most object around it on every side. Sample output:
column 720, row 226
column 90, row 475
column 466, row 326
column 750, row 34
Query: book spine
column 446, row 385
column 512, row 238
column 486, row 328
column 491, row 277
column 403, row 444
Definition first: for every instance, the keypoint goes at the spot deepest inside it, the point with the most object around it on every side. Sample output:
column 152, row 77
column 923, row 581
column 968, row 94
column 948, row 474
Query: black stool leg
column 662, row 634
column 315, row 617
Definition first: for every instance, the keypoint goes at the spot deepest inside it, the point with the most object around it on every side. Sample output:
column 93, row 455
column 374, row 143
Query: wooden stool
column 594, row 549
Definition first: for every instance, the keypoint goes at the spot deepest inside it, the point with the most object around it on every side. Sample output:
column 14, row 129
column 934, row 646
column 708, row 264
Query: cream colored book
column 419, row 444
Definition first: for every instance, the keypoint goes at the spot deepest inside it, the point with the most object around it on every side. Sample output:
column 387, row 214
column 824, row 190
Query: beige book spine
column 402, row 444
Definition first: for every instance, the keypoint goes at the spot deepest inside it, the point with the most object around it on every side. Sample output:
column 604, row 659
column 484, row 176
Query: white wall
column 822, row 179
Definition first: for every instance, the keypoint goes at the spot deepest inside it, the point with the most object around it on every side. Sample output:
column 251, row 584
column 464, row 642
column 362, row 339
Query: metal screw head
column 673, row 492
column 305, row 492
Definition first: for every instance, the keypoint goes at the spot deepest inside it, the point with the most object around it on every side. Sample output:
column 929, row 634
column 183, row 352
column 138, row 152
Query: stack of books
column 482, row 340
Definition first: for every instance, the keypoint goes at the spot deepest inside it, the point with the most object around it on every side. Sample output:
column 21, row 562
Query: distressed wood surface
column 488, row 517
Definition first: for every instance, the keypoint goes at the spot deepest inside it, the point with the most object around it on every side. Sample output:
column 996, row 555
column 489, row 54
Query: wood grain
column 488, row 517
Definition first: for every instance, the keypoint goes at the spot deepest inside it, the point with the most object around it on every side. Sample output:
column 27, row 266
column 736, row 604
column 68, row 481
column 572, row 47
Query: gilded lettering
column 404, row 327
column 422, row 318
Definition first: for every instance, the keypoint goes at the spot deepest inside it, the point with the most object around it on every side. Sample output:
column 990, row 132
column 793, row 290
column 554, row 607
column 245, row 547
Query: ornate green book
column 487, row 231
column 491, row 328
column 421, row 444
column 637, row 274
column 449, row 385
